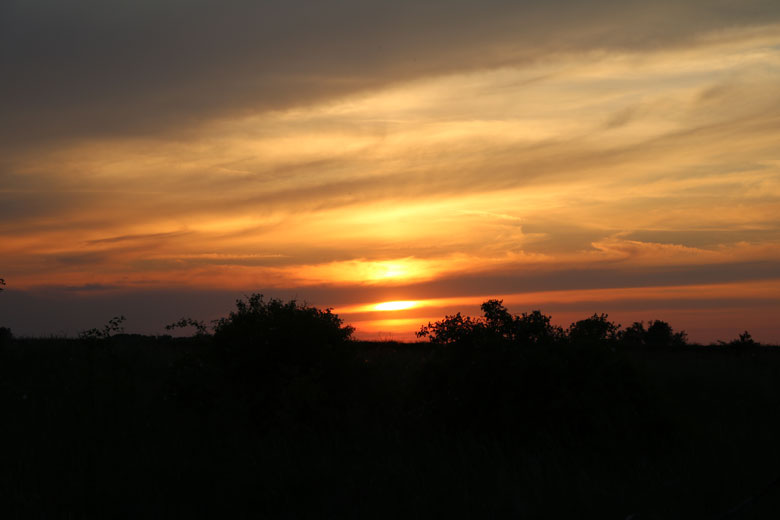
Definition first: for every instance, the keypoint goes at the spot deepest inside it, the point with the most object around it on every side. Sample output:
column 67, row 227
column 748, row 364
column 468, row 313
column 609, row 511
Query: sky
column 160, row 159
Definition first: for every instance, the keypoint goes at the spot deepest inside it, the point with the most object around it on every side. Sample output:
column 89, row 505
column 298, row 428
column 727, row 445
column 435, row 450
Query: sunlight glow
column 395, row 306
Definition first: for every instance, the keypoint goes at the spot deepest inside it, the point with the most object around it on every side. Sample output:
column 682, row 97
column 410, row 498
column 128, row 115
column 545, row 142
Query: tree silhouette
column 285, row 358
column 744, row 340
column 595, row 329
column 263, row 322
column 266, row 335
column 635, row 334
column 657, row 334
column 497, row 324
column 660, row 334
column 452, row 329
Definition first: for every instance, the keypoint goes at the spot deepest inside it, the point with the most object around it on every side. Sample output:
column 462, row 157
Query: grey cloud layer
column 81, row 68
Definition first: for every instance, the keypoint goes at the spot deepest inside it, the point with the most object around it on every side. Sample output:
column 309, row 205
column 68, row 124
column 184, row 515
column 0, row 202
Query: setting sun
column 395, row 306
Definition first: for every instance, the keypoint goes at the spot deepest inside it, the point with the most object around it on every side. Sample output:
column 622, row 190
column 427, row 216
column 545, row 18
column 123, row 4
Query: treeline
column 275, row 410
column 497, row 325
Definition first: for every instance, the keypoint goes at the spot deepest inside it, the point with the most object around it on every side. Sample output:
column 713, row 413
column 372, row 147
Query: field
column 134, row 426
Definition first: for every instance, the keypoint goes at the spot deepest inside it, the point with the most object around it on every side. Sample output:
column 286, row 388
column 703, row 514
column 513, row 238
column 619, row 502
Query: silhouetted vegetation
column 5, row 333
column 497, row 325
column 276, row 412
column 114, row 326
column 596, row 329
column 745, row 340
column 201, row 329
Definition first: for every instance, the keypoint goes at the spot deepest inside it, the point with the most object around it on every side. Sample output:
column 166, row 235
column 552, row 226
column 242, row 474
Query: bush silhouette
column 5, row 335
column 496, row 325
column 595, row 329
column 634, row 336
column 114, row 326
column 5, row 332
column 657, row 334
column 277, row 325
column 285, row 358
column 518, row 373
column 744, row 340
column 201, row 330
column 660, row 334
column 535, row 328
column 452, row 329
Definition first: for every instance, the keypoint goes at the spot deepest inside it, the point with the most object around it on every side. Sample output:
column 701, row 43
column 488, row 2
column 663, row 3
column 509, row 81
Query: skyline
column 160, row 159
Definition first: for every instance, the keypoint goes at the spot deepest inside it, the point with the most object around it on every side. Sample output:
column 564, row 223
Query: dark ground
column 135, row 426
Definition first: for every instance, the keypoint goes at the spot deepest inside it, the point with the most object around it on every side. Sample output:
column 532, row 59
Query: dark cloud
column 90, row 287
column 524, row 279
column 550, row 236
column 85, row 260
column 137, row 237
column 707, row 238
column 86, row 67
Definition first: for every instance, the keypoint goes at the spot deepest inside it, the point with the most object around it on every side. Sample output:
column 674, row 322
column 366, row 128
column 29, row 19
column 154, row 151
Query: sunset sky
column 159, row 159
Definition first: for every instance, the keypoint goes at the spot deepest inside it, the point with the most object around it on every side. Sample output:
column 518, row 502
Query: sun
column 395, row 306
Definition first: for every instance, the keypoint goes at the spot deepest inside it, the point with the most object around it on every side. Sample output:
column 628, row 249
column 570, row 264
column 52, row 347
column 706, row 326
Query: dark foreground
column 134, row 426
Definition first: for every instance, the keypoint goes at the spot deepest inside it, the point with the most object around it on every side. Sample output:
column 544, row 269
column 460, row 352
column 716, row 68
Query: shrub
column 201, row 330
column 5, row 332
column 285, row 359
column 744, row 340
column 114, row 326
column 452, row 329
column 660, row 334
column 5, row 335
column 277, row 338
column 263, row 323
column 496, row 325
column 634, row 336
column 515, row 374
column 595, row 329
column 535, row 328
column 657, row 334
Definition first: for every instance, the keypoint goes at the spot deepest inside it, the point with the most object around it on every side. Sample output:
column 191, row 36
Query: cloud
column 88, row 68
column 137, row 237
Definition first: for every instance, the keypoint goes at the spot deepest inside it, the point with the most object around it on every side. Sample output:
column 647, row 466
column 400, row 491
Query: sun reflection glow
column 395, row 306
